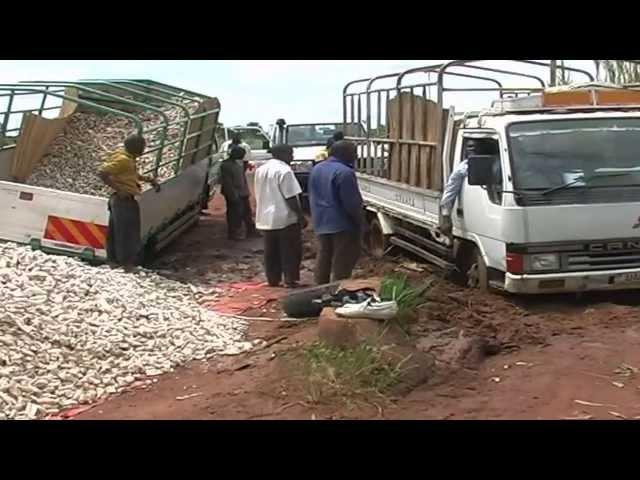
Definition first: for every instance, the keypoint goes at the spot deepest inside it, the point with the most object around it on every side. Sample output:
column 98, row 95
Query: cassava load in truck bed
column 60, row 133
column 78, row 151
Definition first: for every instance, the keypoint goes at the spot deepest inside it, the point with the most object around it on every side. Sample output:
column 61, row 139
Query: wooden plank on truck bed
column 419, row 117
column 427, row 152
column 394, row 130
column 423, row 158
column 422, row 120
column 407, row 100
column 36, row 135
column 434, row 120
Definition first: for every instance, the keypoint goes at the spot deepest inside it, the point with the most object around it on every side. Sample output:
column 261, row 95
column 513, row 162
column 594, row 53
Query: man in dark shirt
column 337, row 213
column 234, row 189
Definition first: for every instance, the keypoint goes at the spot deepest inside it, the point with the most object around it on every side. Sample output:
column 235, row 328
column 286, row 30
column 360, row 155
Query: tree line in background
column 613, row 71
column 618, row 71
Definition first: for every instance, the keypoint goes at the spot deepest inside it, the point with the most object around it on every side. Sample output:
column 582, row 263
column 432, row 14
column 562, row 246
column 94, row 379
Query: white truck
column 252, row 135
column 76, row 224
column 554, row 206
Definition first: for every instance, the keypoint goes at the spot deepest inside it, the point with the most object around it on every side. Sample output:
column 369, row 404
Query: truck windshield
column 318, row 134
column 252, row 137
column 561, row 155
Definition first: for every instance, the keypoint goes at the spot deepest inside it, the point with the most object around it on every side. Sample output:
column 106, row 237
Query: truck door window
column 487, row 146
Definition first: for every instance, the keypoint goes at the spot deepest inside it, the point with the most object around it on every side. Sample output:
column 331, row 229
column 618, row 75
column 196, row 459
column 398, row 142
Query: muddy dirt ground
column 561, row 357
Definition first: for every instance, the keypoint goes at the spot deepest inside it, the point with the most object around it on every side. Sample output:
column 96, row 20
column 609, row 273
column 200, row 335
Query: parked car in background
column 308, row 140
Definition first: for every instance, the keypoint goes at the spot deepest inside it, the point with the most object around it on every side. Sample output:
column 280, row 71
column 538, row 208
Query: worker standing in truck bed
column 120, row 173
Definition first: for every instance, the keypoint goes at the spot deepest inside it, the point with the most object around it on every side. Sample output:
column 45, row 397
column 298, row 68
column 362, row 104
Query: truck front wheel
column 477, row 273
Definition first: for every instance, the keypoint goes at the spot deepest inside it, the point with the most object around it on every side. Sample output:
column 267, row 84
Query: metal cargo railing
column 365, row 101
column 122, row 98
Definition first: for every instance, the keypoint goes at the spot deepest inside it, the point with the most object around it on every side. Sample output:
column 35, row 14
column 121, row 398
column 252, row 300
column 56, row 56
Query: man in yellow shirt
column 120, row 172
column 324, row 153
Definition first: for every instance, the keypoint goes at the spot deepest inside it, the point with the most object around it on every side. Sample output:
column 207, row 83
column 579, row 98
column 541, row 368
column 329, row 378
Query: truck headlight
column 544, row 261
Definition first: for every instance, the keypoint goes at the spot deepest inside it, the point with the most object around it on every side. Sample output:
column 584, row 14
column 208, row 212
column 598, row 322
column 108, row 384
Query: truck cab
column 562, row 213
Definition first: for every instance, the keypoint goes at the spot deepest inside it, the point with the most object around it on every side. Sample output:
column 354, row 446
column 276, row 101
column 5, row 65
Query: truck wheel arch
column 467, row 251
column 380, row 228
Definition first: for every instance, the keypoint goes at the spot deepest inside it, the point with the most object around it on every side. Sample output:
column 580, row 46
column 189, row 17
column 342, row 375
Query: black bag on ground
column 310, row 301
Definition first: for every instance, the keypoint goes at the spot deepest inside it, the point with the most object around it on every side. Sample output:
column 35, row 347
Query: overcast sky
column 260, row 90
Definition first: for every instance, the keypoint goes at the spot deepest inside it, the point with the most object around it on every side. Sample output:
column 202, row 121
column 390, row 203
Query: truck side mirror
column 266, row 145
column 480, row 169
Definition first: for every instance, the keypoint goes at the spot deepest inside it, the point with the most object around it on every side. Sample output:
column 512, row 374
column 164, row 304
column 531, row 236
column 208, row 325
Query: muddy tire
column 377, row 241
column 477, row 273
column 300, row 304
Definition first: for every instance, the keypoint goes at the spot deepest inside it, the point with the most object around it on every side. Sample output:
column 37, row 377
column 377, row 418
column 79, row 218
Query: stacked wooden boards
column 414, row 118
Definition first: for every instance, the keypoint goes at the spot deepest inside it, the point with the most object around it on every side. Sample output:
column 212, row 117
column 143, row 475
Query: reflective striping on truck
column 76, row 232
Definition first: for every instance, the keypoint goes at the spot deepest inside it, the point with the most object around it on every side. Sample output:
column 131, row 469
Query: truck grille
column 601, row 260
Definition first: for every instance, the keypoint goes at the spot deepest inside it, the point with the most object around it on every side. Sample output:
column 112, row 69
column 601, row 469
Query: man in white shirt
column 279, row 217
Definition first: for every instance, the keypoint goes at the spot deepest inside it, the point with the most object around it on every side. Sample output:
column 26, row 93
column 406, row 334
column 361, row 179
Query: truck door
column 478, row 212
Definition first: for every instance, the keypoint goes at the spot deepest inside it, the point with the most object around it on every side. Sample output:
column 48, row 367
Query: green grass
column 408, row 298
column 347, row 373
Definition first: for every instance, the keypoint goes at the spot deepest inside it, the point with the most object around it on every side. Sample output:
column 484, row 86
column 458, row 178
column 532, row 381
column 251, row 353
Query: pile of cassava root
column 75, row 155
column 71, row 333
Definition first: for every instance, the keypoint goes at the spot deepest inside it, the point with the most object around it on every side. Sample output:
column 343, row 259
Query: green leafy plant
column 397, row 288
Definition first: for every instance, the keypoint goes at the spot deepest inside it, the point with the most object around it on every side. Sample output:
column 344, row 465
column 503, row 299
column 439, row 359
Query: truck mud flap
column 87, row 254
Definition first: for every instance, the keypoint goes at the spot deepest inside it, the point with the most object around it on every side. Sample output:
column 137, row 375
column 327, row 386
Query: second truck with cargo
column 54, row 135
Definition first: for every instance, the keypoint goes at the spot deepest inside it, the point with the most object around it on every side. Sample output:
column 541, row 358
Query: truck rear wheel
column 377, row 241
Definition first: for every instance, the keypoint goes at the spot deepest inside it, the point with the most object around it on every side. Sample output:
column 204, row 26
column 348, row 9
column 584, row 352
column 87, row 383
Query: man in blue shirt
column 483, row 146
column 337, row 213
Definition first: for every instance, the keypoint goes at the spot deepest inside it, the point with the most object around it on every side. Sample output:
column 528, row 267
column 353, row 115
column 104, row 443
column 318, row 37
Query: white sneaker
column 369, row 309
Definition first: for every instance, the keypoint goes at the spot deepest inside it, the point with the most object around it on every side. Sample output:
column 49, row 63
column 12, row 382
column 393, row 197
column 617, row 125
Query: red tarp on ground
column 247, row 296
